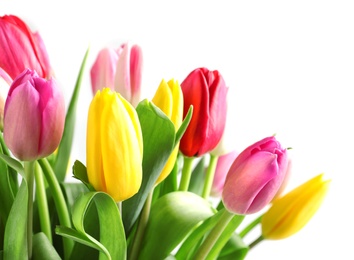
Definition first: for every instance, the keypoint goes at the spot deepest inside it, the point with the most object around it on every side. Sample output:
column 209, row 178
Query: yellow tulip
column 291, row 213
column 169, row 98
column 114, row 149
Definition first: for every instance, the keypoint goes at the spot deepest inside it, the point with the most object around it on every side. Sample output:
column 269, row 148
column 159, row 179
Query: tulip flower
column 255, row 177
column 114, row 149
column 290, row 213
column 169, row 99
column 21, row 48
column 222, row 167
column 34, row 116
column 206, row 91
column 119, row 70
column 5, row 82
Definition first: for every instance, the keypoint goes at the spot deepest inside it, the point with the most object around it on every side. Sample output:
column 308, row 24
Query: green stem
column 256, row 242
column 41, row 199
column 29, row 175
column 186, row 173
column 213, row 236
column 250, row 226
column 209, row 178
column 144, row 217
column 60, row 204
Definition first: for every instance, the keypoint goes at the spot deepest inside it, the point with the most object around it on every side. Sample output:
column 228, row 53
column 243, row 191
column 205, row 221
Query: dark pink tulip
column 34, row 116
column 255, row 177
column 206, row 91
column 20, row 48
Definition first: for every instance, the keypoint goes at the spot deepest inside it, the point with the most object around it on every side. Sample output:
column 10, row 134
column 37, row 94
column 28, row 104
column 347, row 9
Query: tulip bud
column 34, row 116
column 206, row 91
column 119, row 70
column 5, row 82
column 290, row 213
column 169, row 99
column 222, row 167
column 114, row 148
column 21, row 48
column 255, row 177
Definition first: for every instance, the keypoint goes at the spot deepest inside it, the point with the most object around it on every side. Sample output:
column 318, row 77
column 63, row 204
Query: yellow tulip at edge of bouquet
column 290, row 213
column 114, row 146
column 169, row 98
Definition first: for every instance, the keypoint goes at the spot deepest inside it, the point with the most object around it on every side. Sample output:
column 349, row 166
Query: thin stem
column 213, row 236
column 186, row 173
column 60, row 204
column 250, row 226
column 144, row 217
column 41, row 199
column 209, row 178
column 29, row 175
column 256, row 242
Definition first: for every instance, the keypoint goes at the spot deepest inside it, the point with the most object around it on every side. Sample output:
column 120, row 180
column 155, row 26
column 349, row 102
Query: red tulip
column 206, row 91
column 21, row 48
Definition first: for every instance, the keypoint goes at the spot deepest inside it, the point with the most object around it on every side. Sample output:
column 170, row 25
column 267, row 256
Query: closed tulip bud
column 114, row 148
column 169, row 99
column 21, row 48
column 34, row 116
column 222, row 167
column 120, row 70
column 255, row 177
column 5, row 82
column 292, row 212
column 206, row 91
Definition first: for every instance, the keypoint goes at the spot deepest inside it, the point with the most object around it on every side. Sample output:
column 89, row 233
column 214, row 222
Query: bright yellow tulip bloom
column 114, row 149
column 169, row 98
column 291, row 213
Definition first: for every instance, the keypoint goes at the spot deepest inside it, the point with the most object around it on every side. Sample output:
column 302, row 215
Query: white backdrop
column 289, row 66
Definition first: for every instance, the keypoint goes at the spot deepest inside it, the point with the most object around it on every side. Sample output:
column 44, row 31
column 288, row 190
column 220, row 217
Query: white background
column 289, row 66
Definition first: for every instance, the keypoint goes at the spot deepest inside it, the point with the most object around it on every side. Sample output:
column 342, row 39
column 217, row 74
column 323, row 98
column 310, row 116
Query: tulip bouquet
column 156, row 183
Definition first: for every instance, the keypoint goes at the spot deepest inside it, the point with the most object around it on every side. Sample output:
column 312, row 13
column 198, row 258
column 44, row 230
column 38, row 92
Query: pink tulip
column 255, row 177
column 120, row 70
column 206, row 91
column 34, row 116
column 21, row 48
column 222, row 167
column 5, row 82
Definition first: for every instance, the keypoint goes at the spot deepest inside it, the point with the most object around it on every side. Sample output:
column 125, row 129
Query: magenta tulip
column 21, row 48
column 120, row 70
column 34, row 116
column 5, row 82
column 255, row 177
column 206, row 91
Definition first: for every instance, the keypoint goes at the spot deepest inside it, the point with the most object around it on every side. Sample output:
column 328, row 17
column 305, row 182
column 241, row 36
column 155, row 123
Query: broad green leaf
column 235, row 248
column 64, row 150
column 13, row 163
column 112, row 242
column 197, row 178
column 15, row 240
column 172, row 218
column 43, row 249
column 158, row 141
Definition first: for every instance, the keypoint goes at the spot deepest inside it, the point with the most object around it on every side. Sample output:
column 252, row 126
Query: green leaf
column 235, row 248
column 158, row 142
column 198, row 177
column 13, row 163
column 112, row 242
column 43, row 249
column 80, row 173
column 64, row 150
column 172, row 218
column 184, row 124
column 15, row 240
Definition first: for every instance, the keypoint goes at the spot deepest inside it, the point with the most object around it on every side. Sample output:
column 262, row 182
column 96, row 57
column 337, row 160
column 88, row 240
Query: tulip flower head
column 290, row 213
column 255, row 177
column 114, row 149
column 34, row 116
column 21, row 48
column 206, row 91
column 120, row 70
column 5, row 82
column 169, row 99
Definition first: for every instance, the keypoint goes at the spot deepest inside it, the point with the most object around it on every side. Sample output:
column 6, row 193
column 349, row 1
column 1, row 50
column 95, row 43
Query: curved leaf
column 43, row 249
